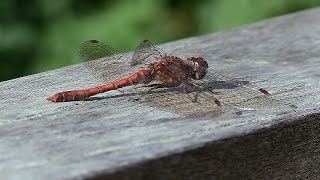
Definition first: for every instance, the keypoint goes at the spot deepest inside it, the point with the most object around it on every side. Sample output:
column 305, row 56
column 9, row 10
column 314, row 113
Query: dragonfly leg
column 152, row 87
column 202, row 89
column 155, row 86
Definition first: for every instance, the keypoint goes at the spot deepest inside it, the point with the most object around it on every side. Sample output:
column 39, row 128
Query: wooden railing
column 115, row 137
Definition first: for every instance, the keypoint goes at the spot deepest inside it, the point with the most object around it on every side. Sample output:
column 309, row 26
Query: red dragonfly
column 159, row 71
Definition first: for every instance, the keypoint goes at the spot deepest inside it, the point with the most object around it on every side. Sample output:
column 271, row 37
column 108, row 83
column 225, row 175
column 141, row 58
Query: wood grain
column 113, row 136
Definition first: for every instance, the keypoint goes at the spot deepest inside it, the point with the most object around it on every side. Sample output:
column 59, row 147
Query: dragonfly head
column 200, row 67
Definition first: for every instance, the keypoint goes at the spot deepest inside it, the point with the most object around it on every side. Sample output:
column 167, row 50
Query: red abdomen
column 75, row 95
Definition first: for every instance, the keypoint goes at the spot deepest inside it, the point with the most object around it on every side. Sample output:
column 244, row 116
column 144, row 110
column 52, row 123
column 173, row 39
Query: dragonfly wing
column 94, row 49
column 177, row 100
column 104, row 62
column 241, row 94
column 146, row 50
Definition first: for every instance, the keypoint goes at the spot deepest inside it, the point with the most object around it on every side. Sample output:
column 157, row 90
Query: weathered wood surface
column 118, row 138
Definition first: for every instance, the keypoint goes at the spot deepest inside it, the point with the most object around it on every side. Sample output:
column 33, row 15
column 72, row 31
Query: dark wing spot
column 264, row 91
column 93, row 41
column 217, row 102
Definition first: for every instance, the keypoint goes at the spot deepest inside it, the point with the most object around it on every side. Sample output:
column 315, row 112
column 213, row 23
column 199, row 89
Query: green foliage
column 221, row 14
column 38, row 35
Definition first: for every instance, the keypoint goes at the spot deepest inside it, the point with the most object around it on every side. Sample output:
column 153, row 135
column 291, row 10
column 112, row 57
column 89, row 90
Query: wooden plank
column 113, row 136
column 284, row 151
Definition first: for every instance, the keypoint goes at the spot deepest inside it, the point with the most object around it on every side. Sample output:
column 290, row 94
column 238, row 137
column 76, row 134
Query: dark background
column 39, row 35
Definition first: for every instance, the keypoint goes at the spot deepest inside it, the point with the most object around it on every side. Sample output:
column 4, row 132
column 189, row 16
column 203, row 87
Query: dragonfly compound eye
column 200, row 73
column 200, row 69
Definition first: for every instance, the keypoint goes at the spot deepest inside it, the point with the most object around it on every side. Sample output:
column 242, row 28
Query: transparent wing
column 94, row 49
column 241, row 95
column 104, row 62
column 146, row 50
column 177, row 100
column 238, row 88
column 216, row 95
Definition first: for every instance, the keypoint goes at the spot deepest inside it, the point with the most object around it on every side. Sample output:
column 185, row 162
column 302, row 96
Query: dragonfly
column 155, row 69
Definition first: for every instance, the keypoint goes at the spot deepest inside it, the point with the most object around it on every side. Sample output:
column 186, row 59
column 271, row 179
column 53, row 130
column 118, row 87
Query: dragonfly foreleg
column 152, row 87
column 200, row 89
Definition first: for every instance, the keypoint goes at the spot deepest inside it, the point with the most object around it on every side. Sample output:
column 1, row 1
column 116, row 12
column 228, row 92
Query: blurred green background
column 39, row 35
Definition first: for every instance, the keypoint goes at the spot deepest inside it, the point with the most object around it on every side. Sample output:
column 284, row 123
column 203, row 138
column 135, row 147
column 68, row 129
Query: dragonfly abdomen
column 75, row 95
column 134, row 78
